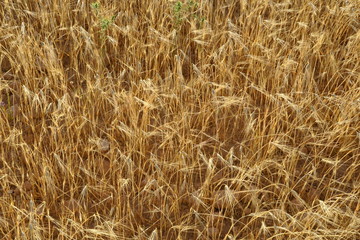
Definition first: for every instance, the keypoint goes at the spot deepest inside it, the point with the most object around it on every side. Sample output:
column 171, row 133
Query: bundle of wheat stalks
column 180, row 119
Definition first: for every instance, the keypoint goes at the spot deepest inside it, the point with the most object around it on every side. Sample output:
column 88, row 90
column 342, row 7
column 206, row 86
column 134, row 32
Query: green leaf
column 95, row 5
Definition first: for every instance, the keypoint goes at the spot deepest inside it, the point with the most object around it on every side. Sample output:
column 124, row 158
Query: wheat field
column 233, row 119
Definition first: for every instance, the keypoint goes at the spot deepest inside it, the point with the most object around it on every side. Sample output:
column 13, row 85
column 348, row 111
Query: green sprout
column 177, row 12
column 104, row 22
column 186, row 10
column 95, row 5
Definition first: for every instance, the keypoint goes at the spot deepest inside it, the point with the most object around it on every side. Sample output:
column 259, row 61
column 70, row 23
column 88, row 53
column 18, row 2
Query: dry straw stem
column 245, row 126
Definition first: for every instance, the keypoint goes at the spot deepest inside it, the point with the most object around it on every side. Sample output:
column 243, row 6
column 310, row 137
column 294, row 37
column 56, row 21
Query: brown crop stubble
column 245, row 126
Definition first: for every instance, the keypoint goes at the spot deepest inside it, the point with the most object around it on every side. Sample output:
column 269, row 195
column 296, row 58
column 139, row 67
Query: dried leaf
column 103, row 145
